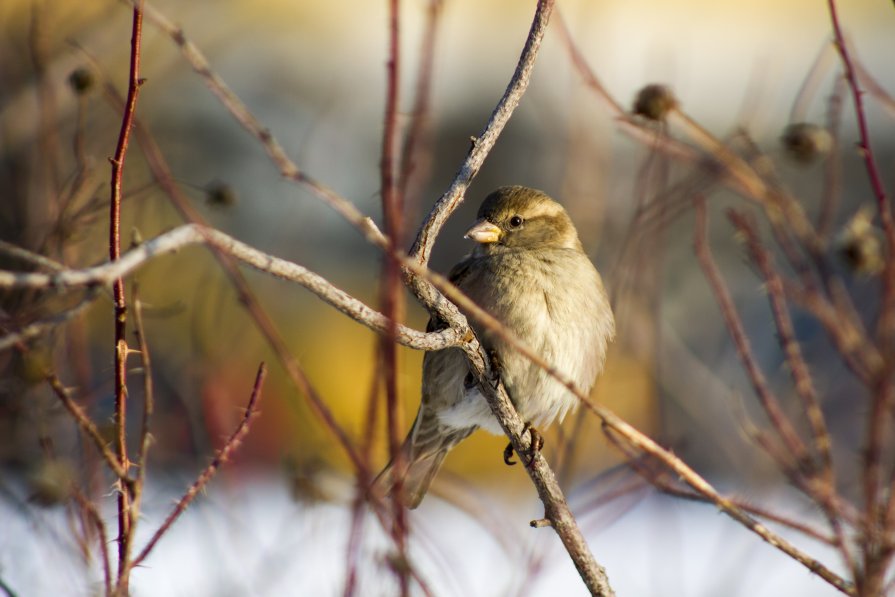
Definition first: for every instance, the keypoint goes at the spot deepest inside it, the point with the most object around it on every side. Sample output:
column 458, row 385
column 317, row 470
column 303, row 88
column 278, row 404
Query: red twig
column 875, row 558
column 222, row 457
column 392, row 210
column 121, row 350
column 390, row 291
column 876, row 181
column 416, row 156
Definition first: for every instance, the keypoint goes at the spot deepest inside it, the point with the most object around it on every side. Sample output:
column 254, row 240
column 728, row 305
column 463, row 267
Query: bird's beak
column 483, row 232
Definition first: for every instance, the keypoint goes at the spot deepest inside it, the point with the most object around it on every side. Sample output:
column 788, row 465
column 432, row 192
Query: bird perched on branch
column 529, row 271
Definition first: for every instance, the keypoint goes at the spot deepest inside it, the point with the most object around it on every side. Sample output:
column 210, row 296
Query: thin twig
column 808, row 89
column 832, row 193
column 777, row 417
column 850, row 339
column 88, row 427
column 781, row 424
column 222, row 457
column 287, row 168
column 792, row 351
column 142, row 461
column 35, row 259
column 103, row 540
column 38, row 328
column 646, row 445
column 662, row 481
column 864, row 146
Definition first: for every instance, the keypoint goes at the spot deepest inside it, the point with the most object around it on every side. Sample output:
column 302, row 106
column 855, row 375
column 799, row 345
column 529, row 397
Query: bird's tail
column 420, row 458
column 414, row 476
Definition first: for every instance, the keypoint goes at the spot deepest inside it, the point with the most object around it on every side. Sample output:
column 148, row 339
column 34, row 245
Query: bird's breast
column 554, row 302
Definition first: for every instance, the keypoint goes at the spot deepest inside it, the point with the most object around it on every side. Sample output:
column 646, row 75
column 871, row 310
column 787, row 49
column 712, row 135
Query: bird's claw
column 508, row 455
column 537, row 443
column 494, row 361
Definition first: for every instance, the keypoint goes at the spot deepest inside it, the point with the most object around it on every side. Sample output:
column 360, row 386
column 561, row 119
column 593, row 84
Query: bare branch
column 148, row 408
column 391, row 297
column 798, row 367
column 94, row 516
column 191, row 234
column 88, row 428
column 482, row 145
column 38, row 328
column 125, row 532
column 778, row 419
column 222, row 457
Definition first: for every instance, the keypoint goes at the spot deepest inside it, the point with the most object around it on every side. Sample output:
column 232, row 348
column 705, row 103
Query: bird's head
column 519, row 218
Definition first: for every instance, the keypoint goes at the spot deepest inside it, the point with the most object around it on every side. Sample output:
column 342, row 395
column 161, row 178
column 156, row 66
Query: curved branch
column 482, row 145
column 192, row 234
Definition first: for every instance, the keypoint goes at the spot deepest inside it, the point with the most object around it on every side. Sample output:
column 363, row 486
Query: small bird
column 528, row 270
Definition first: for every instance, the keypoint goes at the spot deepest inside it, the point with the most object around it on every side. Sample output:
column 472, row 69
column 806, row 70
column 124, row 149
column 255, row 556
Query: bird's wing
column 422, row 455
column 429, row 441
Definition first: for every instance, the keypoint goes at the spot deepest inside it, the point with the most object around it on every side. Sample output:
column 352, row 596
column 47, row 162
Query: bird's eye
column 516, row 221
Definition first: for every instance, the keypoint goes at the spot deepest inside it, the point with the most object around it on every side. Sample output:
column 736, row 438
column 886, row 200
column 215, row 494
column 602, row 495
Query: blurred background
column 314, row 74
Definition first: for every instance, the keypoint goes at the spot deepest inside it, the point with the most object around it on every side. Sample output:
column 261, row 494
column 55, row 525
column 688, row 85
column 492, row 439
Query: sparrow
column 529, row 270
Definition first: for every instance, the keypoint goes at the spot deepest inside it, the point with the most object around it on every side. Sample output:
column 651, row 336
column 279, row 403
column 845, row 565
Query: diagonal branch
column 482, row 145
column 222, row 457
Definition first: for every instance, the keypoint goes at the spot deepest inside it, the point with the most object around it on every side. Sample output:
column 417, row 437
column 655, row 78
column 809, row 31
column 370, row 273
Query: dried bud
column 805, row 142
column 220, row 194
column 654, row 102
column 81, row 80
column 860, row 245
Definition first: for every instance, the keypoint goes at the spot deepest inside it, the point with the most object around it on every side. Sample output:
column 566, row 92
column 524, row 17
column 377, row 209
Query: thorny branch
column 125, row 534
column 224, row 454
